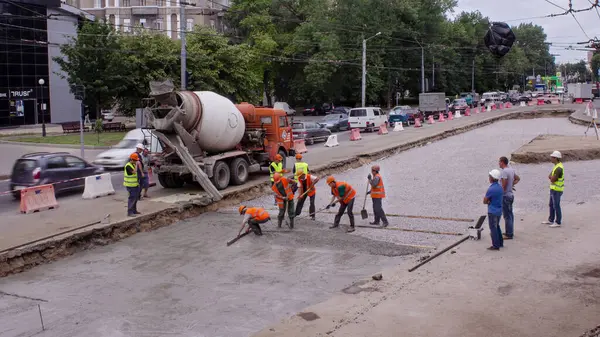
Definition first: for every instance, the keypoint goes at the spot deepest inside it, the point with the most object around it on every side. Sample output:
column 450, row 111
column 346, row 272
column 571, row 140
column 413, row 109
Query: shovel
column 363, row 213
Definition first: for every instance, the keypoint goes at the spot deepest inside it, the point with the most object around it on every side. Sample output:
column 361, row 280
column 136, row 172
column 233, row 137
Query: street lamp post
column 41, row 82
column 364, row 68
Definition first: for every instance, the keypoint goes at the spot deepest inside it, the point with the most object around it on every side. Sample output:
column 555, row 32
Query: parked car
column 367, row 118
column 403, row 114
column 107, row 116
column 336, row 122
column 117, row 156
column 318, row 109
column 285, row 107
column 341, row 110
column 311, row 132
column 327, row 108
column 41, row 168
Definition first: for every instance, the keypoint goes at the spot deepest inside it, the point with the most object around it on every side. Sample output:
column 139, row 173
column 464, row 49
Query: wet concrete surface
column 183, row 281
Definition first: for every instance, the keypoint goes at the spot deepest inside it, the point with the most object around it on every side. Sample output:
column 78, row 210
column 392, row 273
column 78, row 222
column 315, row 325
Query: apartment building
column 160, row 15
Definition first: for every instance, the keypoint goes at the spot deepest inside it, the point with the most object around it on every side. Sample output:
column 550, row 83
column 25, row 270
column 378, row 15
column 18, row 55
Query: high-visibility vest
column 130, row 180
column 309, row 184
column 288, row 192
column 378, row 192
column 275, row 168
column 257, row 213
column 558, row 185
column 349, row 193
column 300, row 166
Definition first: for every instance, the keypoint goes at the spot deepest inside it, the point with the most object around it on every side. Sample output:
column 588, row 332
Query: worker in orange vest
column 344, row 194
column 306, row 188
column 253, row 216
column 284, row 198
column 377, row 193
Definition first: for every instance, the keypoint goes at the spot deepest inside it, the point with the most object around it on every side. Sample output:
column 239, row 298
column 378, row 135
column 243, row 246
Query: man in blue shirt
column 493, row 198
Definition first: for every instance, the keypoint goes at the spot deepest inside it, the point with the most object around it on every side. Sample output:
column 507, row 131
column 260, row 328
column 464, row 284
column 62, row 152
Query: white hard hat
column 556, row 154
column 139, row 146
column 495, row 174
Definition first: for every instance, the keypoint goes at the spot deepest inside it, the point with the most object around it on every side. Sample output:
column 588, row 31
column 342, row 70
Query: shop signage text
column 23, row 93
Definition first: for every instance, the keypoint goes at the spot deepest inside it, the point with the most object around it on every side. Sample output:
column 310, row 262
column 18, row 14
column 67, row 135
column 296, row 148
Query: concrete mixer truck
column 208, row 139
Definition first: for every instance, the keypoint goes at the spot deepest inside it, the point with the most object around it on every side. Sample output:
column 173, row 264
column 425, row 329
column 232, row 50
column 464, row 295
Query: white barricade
column 98, row 186
column 332, row 141
column 398, row 127
column 457, row 114
column 522, row 104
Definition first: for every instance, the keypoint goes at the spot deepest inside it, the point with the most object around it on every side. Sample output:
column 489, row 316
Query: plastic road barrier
column 98, row 186
column 355, row 134
column 383, row 130
column 332, row 141
column 300, row 146
column 38, row 198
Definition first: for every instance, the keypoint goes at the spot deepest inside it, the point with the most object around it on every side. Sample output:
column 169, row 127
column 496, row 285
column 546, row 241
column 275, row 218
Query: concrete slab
column 572, row 148
column 543, row 283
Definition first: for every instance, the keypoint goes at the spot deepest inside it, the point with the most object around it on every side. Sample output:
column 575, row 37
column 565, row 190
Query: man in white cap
column 557, row 186
column 493, row 198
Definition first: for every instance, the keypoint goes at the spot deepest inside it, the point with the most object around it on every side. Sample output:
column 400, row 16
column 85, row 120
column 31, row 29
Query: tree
column 596, row 66
column 92, row 60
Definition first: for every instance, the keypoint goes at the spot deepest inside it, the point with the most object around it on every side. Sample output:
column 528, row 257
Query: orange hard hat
column 134, row 156
column 278, row 157
column 276, row 177
column 375, row 168
column 330, row 180
column 242, row 209
column 298, row 156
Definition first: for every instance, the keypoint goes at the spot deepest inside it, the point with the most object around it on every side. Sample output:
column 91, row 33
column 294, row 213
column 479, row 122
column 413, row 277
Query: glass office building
column 26, row 51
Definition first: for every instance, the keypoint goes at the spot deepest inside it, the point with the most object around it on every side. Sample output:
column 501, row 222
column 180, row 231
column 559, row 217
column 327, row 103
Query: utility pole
column 422, row 69
column 433, row 72
column 364, row 69
column 473, row 76
column 182, row 27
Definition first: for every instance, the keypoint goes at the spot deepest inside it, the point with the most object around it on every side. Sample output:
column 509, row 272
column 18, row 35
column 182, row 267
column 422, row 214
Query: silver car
column 336, row 122
column 310, row 132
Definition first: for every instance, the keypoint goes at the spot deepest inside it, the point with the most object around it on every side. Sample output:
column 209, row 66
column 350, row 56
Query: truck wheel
column 284, row 156
column 162, row 179
column 221, row 175
column 170, row 180
column 239, row 171
column 176, row 181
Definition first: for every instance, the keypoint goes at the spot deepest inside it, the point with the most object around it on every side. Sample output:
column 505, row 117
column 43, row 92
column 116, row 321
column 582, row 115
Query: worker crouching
column 306, row 186
column 254, row 217
column 344, row 194
column 284, row 198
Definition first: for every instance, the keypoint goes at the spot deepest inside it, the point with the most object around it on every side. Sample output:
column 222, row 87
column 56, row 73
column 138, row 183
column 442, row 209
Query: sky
column 562, row 31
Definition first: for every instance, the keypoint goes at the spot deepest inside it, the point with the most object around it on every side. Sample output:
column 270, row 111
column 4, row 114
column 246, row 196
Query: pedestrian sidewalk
column 542, row 283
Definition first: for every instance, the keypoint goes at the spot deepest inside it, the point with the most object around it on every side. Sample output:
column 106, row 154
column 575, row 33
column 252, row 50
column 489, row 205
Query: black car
column 43, row 168
column 318, row 109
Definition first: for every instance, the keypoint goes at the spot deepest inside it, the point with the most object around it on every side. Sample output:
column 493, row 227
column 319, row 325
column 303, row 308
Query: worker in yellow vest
column 254, row 217
column 131, row 183
column 299, row 166
column 557, row 186
column 377, row 193
column 276, row 167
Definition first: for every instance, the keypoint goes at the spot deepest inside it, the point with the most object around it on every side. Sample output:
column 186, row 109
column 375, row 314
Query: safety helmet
column 276, row 177
column 495, row 174
column 556, row 154
column 299, row 156
column 330, row 180
column 375, row 168
column 278, row 157
column 242, row 209
column 134, row 156
column 140, row 146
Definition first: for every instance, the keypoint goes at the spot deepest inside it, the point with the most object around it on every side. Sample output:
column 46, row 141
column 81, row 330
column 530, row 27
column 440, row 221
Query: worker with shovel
column 253, row 216
column 284, row 198
column 344, row 194
column 306, row 186
column 377, row 193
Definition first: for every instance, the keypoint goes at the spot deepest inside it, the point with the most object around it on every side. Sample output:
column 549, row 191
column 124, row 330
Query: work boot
column 279, row 222
column 350, row 230
column 291, row 223
column 374, row 223
column 335, row 225
column 385, row 224
column 313, row 218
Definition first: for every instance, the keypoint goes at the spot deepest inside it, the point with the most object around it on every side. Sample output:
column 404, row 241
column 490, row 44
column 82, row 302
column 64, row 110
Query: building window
column 160, row 3
column 97, row 3
column 158, row 24
column 126, row 25
column 126, row 3
column 142, row 2
column 142, row 23
column 189, row 25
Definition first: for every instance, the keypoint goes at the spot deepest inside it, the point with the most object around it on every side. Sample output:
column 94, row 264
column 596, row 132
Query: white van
column 118, row 155
column 285, row 107
column 490, row 98
column 366, row 118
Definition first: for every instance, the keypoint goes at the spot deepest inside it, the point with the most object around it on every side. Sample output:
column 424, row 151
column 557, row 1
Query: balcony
column 144, row 10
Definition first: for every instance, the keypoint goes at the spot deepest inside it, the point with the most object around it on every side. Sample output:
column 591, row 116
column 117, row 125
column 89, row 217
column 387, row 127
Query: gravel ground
column 449, row 179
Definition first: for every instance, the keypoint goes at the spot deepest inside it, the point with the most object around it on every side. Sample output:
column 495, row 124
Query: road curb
column 59, row 146
column 27, row 256
column 4, row 176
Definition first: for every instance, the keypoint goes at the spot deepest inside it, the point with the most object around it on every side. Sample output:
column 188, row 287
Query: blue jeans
column 132, row 199
column 555, row 207
column 495, row 231
column 509, row 217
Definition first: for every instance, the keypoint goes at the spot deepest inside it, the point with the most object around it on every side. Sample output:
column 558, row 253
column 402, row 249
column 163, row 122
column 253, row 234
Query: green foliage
column 98, row 128
column 596, row 66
